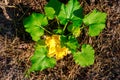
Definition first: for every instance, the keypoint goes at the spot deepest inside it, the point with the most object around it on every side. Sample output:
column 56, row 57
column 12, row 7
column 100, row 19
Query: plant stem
column 58, row 23
column 65, row 27
column 45, row 30
column 83, row 26
column 51, row 23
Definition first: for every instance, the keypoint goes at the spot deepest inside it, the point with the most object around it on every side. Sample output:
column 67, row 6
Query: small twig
column 23, row 14
column 87, row 5
column 6, row 2
column 5, row 13
column 3, row 6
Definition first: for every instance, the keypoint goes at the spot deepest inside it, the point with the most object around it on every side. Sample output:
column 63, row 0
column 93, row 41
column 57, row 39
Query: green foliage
column 70, row 16
column 70, row 42
column 71, row 12
column 95, row 29
column 96, row 22
column 58, row 31
column 39, row 60
column 34, row 25
column 49, row 12
column 85, row 57
column 75, row 30
column 67, row 12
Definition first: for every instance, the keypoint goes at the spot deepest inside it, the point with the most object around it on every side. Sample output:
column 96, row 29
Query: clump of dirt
column 16, row 46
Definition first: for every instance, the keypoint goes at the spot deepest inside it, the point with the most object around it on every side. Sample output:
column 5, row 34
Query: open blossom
column 55, row 49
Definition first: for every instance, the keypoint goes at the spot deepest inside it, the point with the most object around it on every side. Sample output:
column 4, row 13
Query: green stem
column 51, row 23
column 45, row 30
column 58, row 23
column 65, row 27
column 83, row 26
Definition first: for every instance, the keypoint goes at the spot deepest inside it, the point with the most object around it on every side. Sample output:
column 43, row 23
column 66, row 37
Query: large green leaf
column 85, row 57
column 96, row 22
column 69, row 12
column 34, row 25
column 39, row 60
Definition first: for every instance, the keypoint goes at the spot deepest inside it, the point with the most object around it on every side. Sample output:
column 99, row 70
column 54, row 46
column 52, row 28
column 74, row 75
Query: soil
column 16, row 46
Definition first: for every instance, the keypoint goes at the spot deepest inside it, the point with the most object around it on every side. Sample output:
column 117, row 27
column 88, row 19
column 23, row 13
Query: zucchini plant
column 53, row 44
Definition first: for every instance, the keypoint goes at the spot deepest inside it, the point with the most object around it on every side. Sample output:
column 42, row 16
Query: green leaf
column 49, row 12
column 75, row 30
column 34, row 25
column 70, row 42
column 58, row 31
column 69, row 12
column 95, row 29
column 85, row 57
column 96, row 20
column 95, row 17
column 77, row 21
column 39, row 60
column 35, row 32
column 54, row 4
column 63, row 40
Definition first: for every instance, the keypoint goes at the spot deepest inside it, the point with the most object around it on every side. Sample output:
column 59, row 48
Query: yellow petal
column 54, row 47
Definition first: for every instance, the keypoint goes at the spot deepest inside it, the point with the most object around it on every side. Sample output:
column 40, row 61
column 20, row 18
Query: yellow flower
column 61, row 52
column 55, row 49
